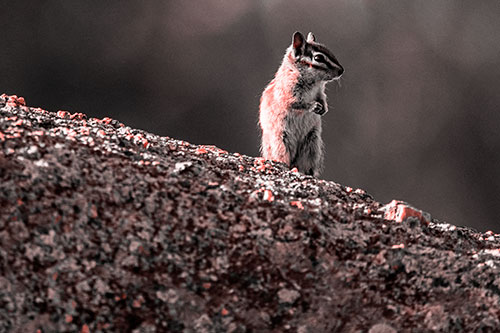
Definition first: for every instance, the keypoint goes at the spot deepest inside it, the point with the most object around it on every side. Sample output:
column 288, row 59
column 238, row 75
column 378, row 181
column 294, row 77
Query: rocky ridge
column 106, row 228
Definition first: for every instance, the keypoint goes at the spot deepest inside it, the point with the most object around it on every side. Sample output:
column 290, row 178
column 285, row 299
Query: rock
column 106, row 228
column 399, row 211
column 382, row 328
column 288, row 296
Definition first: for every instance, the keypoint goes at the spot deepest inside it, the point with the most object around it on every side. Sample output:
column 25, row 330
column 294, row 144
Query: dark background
column 415, row 116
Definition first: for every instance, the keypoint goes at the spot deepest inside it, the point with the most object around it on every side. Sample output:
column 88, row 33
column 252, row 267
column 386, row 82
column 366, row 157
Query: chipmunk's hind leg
column 309, row 156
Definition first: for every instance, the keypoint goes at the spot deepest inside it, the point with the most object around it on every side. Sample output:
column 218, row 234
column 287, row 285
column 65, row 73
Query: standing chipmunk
column 291, row 106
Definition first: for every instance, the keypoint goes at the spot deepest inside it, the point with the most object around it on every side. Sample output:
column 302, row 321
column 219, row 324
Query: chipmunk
column 291, row 105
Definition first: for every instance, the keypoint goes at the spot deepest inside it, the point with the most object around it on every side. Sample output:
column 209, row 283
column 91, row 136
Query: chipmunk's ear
column 310, row 37
column 298, row 43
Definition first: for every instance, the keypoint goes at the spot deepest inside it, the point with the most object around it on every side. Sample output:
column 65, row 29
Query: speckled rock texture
column 105, row 228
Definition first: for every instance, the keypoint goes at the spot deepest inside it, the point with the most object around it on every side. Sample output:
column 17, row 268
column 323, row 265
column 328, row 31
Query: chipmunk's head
column 313, row 59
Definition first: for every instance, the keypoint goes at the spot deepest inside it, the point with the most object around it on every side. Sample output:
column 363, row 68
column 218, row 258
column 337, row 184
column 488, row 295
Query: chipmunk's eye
column 319, row 57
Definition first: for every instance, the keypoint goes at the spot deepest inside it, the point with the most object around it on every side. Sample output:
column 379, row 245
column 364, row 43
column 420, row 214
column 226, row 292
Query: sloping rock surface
column 105, row 228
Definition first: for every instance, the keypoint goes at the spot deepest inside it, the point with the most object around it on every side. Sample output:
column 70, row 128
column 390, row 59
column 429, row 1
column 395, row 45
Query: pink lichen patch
column 399, row 211
column 13, row 135
column 79, row 116
column 85, row 329
column 201, row 150
column 297, row 204
column 261, row 168
column 63, row 114
column 71, row 133
column 106, row 120
column 93, row 211
column 348, row 189
column 224, row 312
column 39, row 110
column 241, row 168
column 68, row 318
column 294, row 170
column 13, row 100
column 268, row 196
column 216, row 150
column 101, row 133
column 37, row 133
column 138, row 138
column 2, row 136
column 261, row 165
column 84, row 131
column 398, row 246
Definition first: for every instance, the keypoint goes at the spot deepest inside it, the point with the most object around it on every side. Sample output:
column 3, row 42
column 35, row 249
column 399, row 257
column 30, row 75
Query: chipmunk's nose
column 341, row 71
column 338, row 72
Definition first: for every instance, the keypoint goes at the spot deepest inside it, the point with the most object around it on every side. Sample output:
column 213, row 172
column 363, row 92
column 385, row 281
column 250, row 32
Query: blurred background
column 415, row 116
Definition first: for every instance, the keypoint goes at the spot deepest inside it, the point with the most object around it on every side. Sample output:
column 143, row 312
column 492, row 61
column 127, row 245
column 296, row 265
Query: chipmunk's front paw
column 318, row 108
